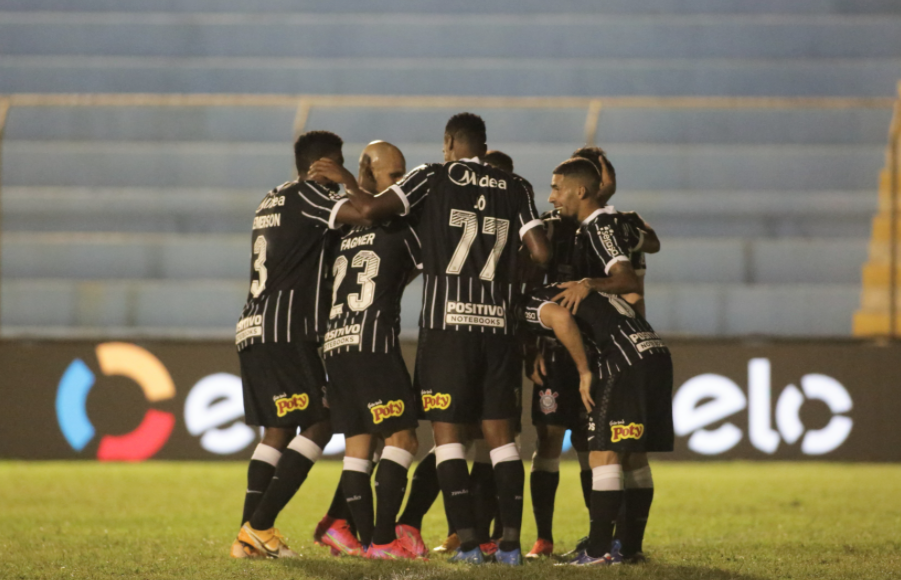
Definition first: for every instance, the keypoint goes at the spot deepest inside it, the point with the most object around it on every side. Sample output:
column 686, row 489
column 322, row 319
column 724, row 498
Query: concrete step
column 871, row 77
column 261, row 166
column 468, row 6
column 185, row 257
column 379, row 35
column 187, row 308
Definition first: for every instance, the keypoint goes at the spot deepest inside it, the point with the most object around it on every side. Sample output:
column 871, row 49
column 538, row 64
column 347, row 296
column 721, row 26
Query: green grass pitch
column 711, row 521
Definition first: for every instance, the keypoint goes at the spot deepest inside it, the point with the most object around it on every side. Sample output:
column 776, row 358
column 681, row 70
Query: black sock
column 358, row 493
column 454, row 479
column 604, row 509
column 424, row 490
column 544, row 490
column 390, row 487
column 585, row 478
column 338, row 509
column 259, row 474
column 511, row 479
column 484, row 498
column 498, row 532
column 290, row 474
column 634, row 518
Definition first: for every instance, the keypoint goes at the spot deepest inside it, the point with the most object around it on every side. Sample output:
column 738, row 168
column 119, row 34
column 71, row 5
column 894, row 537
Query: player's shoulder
column 630, row 218
column 311, row 191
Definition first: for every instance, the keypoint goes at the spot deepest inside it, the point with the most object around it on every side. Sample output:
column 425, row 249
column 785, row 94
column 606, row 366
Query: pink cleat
column 341, row 540
column 324, row 524
column 412, row 540
column 396, row 550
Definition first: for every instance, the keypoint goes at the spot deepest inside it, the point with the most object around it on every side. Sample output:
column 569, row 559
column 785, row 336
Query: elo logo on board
column 135, row 363
column 709, row 398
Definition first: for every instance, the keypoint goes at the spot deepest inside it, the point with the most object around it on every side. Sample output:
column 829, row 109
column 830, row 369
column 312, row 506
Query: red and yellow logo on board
column 296, row 403
column 630, row 431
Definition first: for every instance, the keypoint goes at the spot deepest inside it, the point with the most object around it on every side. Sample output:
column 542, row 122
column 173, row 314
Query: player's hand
column 539, row 369
column 573, row 294
column 585, row 380
column 327, row 169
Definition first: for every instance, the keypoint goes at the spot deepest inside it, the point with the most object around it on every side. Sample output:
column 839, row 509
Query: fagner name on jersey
column 366, row 240
column 267, row 221
column 463, row 175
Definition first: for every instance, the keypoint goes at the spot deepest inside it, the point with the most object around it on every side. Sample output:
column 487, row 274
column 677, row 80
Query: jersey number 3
column 469, row 221
column 259, row 265
column 370, row 262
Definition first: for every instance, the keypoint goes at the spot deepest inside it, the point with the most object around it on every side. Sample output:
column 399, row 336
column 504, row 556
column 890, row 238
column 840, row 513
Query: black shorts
column 558, row 402
column 284, row 385
column 466, row 377
column 633, row 408
column 370, row 393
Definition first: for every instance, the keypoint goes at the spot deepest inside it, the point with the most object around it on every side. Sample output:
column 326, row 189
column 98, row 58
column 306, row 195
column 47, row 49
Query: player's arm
column 622, row 280
column 375, row 208
column 531, row 230
column 648, row 242
column 558, row 319
column 536, row 242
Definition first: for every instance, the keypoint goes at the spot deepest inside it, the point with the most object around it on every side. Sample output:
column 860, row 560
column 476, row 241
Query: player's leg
column 638, row 494
column 543, row 482
column 391, row 485
column 424, row 490
column 606, row 499
column 262, row 466
column 484, row 491
column 357, row 488
column 453, row 476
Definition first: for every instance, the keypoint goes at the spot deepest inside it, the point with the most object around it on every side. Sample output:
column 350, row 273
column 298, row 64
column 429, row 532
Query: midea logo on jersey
column 709, row 398
column 462, row 175
column 213, row 407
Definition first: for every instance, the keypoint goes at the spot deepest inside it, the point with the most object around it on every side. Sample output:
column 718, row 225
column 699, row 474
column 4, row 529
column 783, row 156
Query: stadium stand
column 765, row 213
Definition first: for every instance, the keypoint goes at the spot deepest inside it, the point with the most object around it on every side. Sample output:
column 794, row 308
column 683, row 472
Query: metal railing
column 593, row 107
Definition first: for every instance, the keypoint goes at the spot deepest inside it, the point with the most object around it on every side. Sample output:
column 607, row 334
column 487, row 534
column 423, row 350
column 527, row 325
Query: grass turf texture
column 710, row 521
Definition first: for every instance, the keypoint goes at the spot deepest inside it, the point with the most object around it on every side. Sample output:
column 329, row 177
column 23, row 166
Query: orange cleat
column 341, row 540
column 270, row 543
column 541, row 548
column 412, row 540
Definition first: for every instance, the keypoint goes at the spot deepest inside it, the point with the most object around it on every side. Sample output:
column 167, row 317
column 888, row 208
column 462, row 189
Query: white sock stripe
column 449, row 451
column 399, row 456
column 357, row 464
column 266, row 454
column 607, row 478
column 545, row 464
column 583, row 460
column 306, row 448
column 507, row 452
column 639, row 478
column 482, row 452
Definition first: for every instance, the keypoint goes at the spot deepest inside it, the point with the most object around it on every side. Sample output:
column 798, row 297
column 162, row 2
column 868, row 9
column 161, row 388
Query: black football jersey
column 370, row 269
column 616, row 334
column 562, row 235
column 288, row 266
column 634, row 232
column 469, row 218
column 601, row 242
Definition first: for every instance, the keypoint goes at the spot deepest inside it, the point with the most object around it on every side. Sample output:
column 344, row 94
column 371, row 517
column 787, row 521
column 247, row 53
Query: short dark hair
column 314, row 145
column 498, row 159
column 468, row 128
column 591, row 153
column 582, row 169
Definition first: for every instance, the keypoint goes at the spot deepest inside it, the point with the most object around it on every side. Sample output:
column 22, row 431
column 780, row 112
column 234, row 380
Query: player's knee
column 497, row 433
column 600, row 458
column 319, row 433
column 550, row 441
column 405, row 440
column 278, row 437
column 635, row 461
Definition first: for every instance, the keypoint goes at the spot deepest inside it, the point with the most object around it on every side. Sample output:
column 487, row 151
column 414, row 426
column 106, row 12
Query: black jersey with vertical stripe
column 618, row 335
column 601, row 242
column 470, row 215
column 634, row 231
column 562, row 235
column 370, row 269
column 288, row 265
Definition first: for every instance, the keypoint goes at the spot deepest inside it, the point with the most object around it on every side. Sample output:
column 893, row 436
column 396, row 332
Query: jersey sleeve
column 532, row 316
column 633, row 226
column 320, row 204
column 415, row 186
column 414, row 246
column 608, row 242
column 528, row 215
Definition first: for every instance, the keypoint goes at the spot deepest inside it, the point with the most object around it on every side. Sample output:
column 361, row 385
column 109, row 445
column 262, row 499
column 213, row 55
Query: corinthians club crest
column 547, row 400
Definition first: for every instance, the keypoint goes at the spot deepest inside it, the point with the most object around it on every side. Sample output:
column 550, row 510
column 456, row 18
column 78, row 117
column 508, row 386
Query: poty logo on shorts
column 137, row 364
column 289, row 404
column 389, row 409
column 630, row 431
column 436, row 401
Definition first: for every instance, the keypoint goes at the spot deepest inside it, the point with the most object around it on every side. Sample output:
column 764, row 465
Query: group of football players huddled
column 560, row 295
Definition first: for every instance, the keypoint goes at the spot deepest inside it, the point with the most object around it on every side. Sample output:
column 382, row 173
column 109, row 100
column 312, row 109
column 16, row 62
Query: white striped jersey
column 370, row 269
column 288, row 265
column 615, row 333
column 601, row 242
column 468, row 216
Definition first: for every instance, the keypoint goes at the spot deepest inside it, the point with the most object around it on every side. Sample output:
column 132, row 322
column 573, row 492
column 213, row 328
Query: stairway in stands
column 134, row 220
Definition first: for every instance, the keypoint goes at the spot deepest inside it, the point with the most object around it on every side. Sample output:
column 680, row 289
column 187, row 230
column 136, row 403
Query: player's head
column 314, row 145
column 498, row 159
column 381, row 166
column 608, row 174
column 464, row 136
column 574, row 186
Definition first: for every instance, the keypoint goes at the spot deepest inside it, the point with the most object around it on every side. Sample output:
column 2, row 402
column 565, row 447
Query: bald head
column 381, row 166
